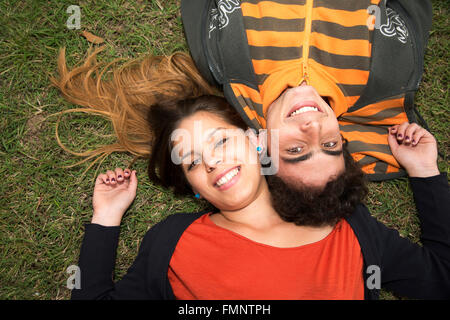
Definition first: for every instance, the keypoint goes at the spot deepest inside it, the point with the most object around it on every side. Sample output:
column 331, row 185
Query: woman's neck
column 260, row 222
column 258, row 214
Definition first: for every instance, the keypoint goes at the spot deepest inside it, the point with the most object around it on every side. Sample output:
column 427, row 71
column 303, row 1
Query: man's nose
column 310, row 125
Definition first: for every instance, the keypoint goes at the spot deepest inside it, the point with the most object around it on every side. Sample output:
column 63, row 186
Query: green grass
column 43, row 206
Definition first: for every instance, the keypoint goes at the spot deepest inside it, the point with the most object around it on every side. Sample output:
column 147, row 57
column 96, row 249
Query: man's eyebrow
column 333, row 152
column 307, row 156
column 298, row 159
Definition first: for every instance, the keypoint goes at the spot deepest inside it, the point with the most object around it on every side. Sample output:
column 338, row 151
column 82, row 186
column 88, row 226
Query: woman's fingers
column 410, row 131
column 394, row 129
column 101, row 178
column 401, row 131
column 418, row 134
column 133, row 180
column 111, row 177
column 408, row 134
column 114, row 177
column 119, row 174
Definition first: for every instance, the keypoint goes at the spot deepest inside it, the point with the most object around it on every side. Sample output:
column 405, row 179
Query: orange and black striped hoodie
column 365, row 56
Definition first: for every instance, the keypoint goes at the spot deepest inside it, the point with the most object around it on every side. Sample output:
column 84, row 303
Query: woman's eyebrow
column 209, row 137
column 190, row 153
column 214, row 131
column 186, row 155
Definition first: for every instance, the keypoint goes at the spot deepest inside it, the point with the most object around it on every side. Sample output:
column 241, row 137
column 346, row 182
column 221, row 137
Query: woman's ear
column 262, row 140
column 259, row 141
column 196, row 194
column 252, row 137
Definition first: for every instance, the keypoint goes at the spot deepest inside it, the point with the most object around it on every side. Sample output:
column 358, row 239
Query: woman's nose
column 211, row 164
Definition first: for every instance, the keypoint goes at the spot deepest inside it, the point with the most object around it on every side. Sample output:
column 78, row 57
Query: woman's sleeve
column 432, row 198
column 97, row 261
column 415, row 271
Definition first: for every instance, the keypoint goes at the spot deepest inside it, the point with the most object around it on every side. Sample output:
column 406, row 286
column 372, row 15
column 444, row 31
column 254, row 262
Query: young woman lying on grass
column 247, row 250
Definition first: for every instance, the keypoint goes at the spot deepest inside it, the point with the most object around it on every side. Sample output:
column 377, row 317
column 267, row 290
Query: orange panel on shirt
column 211, row 262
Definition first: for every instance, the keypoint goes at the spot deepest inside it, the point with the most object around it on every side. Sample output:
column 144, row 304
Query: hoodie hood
column 364, row 56
column 291, row 42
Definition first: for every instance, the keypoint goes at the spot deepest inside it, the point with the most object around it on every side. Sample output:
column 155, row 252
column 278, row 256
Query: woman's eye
column 193, row 164
column 330, row 144
column 295, row 150
column 221, row 142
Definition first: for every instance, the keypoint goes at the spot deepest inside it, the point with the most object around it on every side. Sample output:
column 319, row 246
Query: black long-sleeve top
column 406, row 268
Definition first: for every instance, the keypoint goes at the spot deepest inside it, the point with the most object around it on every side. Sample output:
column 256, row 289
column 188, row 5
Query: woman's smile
column 228, row 178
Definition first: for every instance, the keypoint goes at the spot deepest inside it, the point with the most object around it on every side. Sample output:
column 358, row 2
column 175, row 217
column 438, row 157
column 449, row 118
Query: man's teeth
column 303, row 109
column 227, row 177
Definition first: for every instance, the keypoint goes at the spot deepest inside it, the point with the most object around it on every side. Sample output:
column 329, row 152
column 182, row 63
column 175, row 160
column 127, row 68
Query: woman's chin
column 236, row 199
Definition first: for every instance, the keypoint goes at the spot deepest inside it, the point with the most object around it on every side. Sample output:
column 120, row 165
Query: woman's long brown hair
column 124, row 94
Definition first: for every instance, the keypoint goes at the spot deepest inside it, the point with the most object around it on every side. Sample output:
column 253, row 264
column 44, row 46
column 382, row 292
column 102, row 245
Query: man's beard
column 317, row 207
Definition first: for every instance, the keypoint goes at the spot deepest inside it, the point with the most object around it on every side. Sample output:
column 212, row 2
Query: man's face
column 310, row 143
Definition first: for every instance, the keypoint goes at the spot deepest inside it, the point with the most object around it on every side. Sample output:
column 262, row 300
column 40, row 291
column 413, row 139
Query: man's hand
column 415, row 149
column 114, row 191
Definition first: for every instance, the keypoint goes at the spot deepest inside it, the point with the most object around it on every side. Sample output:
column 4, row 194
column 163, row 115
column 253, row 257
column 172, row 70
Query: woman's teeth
column 226, row 178
column 302, row 110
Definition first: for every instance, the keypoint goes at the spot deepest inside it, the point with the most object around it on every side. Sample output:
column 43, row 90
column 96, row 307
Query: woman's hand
column 415, row 149
column 114, row 191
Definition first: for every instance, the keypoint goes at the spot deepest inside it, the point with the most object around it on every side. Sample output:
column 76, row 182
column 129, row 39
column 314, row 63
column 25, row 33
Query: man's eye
column 193, row 164
column 330, row 144
column 221, row 142
column 295, row 150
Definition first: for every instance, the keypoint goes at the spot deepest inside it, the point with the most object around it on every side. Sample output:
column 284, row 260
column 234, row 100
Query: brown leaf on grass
column 92, row 38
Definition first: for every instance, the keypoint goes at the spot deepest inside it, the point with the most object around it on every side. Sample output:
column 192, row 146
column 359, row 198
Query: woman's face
column 310, row 143
column 218, row 160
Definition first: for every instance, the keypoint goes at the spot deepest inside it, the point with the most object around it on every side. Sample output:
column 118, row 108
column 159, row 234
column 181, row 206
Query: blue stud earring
column 197, row 195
